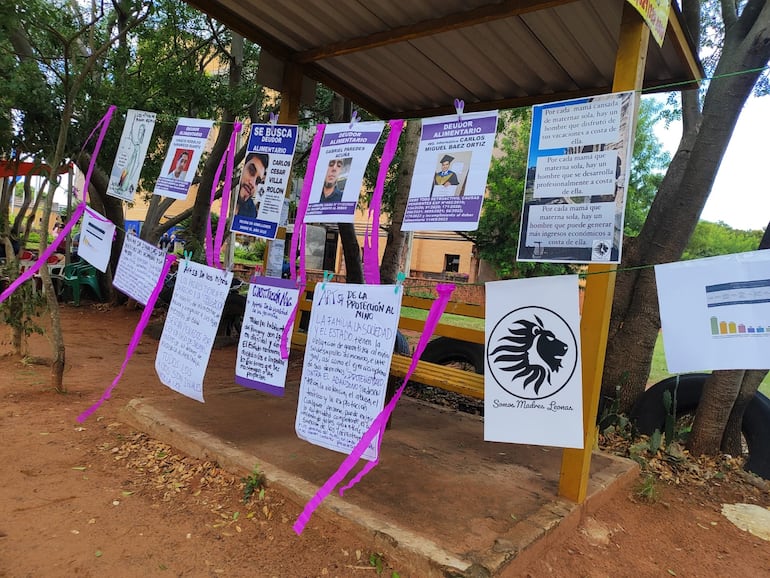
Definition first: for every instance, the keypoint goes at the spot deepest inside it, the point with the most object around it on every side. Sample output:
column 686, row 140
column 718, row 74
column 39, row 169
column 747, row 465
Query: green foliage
column 254, row 483
column 712, row 239
column 647, row 489
column 22, row 309
column 252, row 253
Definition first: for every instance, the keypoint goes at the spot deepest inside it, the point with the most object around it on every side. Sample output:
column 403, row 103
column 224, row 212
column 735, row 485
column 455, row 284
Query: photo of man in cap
column 445, row 177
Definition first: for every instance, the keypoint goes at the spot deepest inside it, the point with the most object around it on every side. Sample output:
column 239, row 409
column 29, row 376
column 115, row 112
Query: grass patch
column 448, row 318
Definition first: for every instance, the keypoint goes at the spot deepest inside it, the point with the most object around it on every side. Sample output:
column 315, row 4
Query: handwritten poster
column 450, row 172
column 577, row 178
column 132, row 150
column 533, row 391
column 715, row 312
column 339, row 173
column 96, row 233
column 264, row 179
column 347, row 361
column 268, row 307
column 184, row 154
column 191, row 326
column 139, row 268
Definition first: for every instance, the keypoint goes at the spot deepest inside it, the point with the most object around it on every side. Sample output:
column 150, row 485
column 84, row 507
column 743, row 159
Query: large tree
column 708, row 123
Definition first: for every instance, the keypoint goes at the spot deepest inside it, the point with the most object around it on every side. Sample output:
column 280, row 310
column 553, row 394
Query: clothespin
column 459, row 107
column 187, row 257
column 273, row 118
column 327, row 277
column 354, row 118
column 399, row 280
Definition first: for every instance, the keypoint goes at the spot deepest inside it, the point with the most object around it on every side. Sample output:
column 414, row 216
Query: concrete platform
column 442, row 502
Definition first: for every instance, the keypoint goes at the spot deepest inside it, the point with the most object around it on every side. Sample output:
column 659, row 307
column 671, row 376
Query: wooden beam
column 480, row 15
column 684, row 46
column 600, row 283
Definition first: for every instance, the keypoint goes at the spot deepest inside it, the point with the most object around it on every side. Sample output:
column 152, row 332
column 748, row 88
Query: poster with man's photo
column 259, row 198
column 450, row 173
column 132, row 150
column 339, row 172
column 184, row 153
column 577, row 178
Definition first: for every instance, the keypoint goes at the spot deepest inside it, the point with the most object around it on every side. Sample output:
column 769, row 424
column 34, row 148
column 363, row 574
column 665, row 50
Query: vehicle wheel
column 401, row 345
column 649, row 414
column 449, row 351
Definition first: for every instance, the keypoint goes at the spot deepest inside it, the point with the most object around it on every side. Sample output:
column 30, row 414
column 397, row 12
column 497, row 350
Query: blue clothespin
column 327, row 277
column 399, row 280
column 354, row 118
column 459, row 107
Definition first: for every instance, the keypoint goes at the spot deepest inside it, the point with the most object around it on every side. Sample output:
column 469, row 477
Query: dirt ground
column 97, row 498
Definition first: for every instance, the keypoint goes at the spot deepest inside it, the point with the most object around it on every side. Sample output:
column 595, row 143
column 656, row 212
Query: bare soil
column 98, row 498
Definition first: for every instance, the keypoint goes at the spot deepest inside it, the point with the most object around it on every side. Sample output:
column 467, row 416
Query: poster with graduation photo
column 577, row 178
column 264, row 178
column 132, row 150
column 339, row 172
column 533, row 392
column 450, row 173
column 184, row 154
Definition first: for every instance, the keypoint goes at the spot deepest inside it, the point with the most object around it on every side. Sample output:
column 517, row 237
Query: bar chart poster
column 715, row 312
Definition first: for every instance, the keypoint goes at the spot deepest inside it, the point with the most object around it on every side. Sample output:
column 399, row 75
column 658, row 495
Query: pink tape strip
column 209, row 240
column 105, row 123
column 372, row 237
column 224, row 206
column 135, row 338
column 289, row 324
column 43, row 259
column 378, row 425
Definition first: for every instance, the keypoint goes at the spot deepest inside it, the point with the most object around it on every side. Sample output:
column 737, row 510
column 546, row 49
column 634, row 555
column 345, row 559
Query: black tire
column 448, row 351
column 401, row 345
column 649, row 414
column 232, row 315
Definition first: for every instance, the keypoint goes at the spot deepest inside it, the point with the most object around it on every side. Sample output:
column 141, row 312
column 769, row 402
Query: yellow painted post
column 600, row 283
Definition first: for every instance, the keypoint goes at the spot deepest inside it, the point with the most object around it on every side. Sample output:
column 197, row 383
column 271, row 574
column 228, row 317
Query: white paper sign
column 132, row 150
column 268, row 307
column 533, row 383
column 339, row 172
column 347, row 361
column 96, row 233
column 182, row 159
column 274, row 265
column 715, row 312
column 577, row 177
column 450, row 173
column 139, row 268
column 190, row 328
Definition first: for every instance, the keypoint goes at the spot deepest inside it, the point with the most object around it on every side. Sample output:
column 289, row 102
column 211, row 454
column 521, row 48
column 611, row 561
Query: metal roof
column 399, row 58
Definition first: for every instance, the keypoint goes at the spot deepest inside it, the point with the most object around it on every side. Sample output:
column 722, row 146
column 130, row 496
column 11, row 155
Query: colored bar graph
column 721, row 327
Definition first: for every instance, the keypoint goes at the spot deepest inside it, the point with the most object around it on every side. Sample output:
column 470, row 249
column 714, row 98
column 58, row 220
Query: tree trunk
column 716, row 403
column 680, row 200
column 351, row 251
column 731, row 438
column 394, row 247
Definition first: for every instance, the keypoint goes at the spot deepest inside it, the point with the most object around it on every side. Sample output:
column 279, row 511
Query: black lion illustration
column 532, row 352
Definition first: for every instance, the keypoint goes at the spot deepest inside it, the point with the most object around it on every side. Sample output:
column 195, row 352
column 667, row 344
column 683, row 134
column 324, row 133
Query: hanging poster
column 339, row 173
column 715, row 312
column 139, row 268
column 577, row 177
column 264, row 179
column 347, row 361
column 96, row 234
column 533, row 390
column 132, row 150
column 182, row 159
column 655, row 14
column 269, row 305
column 450, row 173
column 190, row 327
column 275, row 259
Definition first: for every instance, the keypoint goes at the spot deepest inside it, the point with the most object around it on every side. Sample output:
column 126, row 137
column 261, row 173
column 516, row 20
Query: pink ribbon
column 378, row 425
column 104, row 123
column 135, row 338
column 43, row 259
column 372, row 237
column 214, row 246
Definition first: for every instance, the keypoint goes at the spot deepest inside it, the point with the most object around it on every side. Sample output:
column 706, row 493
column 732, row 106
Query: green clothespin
column 327, row 277
column 187, row 257
column 399, row 280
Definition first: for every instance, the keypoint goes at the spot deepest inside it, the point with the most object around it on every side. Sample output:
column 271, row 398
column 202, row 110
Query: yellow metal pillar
column 600, row 283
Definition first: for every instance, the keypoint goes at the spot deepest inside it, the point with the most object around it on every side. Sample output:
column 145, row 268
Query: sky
column 741, row 193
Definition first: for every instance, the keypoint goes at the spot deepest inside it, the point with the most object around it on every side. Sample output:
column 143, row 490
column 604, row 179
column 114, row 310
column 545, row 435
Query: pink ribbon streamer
column 378, row 425
column 372, row 237
column 135, row 338
column 104, row 123
column 214, row 246
column 299, row 233
column 43, row 259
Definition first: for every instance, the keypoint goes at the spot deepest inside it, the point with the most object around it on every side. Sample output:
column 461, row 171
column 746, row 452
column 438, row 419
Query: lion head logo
column 526, row 353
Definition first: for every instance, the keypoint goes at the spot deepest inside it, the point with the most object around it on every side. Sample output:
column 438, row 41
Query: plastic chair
column 75, row 275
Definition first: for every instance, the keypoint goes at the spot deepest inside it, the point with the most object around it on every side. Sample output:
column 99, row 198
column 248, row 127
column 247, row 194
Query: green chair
column 76, row 275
